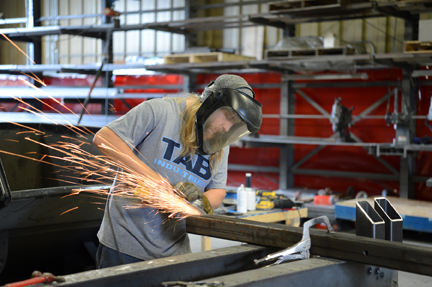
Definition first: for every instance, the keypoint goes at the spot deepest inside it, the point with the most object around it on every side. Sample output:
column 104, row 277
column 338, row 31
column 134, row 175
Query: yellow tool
column 265, row 199
column 269, row 200
column 266, row 193
column 264, row 204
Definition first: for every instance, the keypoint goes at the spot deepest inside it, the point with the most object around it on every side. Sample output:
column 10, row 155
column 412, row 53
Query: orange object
column 323, row 200
column 38, row 278
column 110, row 12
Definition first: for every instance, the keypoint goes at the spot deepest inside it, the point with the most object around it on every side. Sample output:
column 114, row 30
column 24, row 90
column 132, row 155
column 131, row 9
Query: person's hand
column 141, row 192
column 189, row 190
column 194, row 195
column 156, row 198
column 203, row 203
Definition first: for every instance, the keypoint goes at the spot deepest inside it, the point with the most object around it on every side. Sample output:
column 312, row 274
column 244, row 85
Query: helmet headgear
column 228, row 112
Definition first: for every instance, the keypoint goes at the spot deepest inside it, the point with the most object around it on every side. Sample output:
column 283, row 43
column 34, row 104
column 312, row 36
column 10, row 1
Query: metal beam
column 313, row 103
column 343, row 246
column 346, row 84
column 407, row 129
column 286, row 158
column 372, row 107
column 231, row 267
column 311, row 154
column 381, row 160
column 254, row 168
column 187, row 267
column 328, row 272
column 352, row 174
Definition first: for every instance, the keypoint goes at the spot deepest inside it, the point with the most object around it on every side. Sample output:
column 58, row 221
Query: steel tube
column 368, row 222
column 393, row 220
column 389, row 254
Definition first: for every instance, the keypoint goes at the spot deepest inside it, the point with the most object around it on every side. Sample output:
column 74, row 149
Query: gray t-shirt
column 153, row 128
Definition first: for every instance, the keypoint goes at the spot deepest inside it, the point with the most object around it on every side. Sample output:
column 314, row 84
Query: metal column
column 407, row 129
column 286, row 177
column 107, row 58
column 190, row 12
column 409, row 105
column 286, row 157
column 34, row 49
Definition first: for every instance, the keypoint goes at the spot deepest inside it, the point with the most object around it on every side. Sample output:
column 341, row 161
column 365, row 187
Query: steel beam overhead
column 389, row 254
column 364, row 84
column 259, row 168
column 349, row 174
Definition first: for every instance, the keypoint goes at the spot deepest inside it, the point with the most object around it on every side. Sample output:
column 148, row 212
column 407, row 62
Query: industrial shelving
column 283, row 19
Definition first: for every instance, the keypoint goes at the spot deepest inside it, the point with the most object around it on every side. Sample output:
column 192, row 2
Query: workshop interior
column 334, row 189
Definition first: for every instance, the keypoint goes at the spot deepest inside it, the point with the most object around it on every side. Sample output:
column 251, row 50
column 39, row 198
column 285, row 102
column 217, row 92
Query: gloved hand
column 189, row 190
column 141, row 193
column 203, row 203
column 194, row 195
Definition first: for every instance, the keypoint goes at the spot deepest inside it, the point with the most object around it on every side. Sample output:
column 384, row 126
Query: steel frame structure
column 232, row 267
column 283, row 19
column 338, row 260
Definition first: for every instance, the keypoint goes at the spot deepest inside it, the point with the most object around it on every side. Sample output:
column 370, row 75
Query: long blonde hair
column 188, row 132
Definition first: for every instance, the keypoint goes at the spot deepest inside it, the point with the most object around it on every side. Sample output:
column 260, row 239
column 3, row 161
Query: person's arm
column 112, row 146
column 215, row 196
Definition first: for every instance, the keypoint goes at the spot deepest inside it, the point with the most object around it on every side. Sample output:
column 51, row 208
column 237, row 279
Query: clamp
column 299, row 250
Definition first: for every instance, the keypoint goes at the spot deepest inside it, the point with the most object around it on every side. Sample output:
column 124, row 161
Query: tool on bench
column 269, row 200
column 301, row 249
column 38, row 277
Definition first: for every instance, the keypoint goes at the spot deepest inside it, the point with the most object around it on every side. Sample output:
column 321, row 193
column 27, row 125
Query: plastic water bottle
column 241, row 199
column 251, row 194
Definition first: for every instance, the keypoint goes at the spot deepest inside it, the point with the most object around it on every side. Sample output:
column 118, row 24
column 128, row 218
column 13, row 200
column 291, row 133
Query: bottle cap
column 248, row 180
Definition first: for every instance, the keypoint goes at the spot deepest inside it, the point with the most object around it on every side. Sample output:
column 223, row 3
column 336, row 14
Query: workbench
column 289, row 216
column 416, row 214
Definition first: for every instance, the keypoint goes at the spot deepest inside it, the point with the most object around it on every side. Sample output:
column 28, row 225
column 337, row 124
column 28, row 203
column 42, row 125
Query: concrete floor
column 405, row 279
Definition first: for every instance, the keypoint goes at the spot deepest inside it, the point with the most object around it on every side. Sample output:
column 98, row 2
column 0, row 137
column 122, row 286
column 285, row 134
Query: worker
column 185, row 140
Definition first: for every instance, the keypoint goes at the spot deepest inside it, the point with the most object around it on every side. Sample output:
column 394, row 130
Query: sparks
column 69, row 210
column 97, row 169
column 10, row 41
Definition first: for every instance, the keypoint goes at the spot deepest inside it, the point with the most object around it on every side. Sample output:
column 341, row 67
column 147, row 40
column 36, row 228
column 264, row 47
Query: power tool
column 269, row 200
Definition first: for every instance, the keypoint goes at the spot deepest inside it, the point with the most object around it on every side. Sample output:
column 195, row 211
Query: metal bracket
column 393, row 220
column 368, row 221
column 381, row 222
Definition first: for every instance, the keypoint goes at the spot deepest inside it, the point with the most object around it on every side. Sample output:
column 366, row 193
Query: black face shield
column 225, row 116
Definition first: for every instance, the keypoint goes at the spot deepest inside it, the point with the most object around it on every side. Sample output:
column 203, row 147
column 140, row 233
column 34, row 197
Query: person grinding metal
column 185, row 139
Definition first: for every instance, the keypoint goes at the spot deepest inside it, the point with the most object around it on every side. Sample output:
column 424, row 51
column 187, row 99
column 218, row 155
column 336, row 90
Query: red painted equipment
column 38, row 278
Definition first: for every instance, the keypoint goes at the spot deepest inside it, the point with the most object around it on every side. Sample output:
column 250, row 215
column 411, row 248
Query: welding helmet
column 228, row 112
